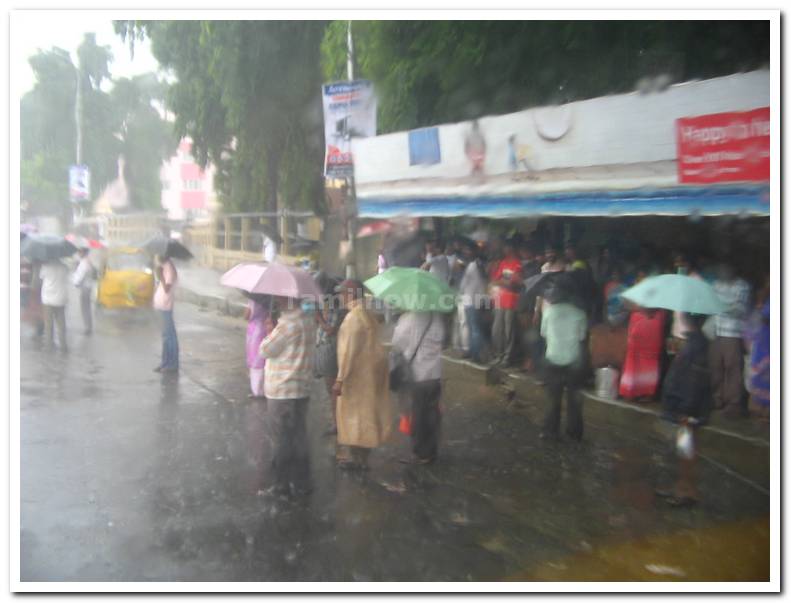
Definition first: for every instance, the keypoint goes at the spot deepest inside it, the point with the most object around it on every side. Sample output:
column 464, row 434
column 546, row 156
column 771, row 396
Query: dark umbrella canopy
column 298, row 243
column 167, row 248
column 407, row 251
column 45, row 247
column 536, row 284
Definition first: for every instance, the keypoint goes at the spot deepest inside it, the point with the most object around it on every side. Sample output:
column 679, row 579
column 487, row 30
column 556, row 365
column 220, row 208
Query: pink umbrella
column 272, row 279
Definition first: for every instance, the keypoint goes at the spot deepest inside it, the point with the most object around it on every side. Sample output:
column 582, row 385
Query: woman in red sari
column 645, row 339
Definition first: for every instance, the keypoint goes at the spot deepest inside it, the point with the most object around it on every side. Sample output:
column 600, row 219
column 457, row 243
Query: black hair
column 696, row 320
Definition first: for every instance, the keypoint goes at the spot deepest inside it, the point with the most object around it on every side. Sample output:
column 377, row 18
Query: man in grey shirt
column 419, row 336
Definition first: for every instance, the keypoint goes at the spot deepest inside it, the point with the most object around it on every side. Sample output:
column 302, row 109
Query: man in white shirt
column 54, row 295
column 270, row 249
column 473, row 299
column 437, row 262
column 83, row 278
column 381, row 262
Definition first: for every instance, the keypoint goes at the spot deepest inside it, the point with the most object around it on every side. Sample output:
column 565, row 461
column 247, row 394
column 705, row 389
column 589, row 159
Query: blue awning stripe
column 704, row 201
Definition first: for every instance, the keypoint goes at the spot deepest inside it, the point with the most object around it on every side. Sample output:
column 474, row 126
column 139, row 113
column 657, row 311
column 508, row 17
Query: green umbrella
column 412, row 290
column 676, row 292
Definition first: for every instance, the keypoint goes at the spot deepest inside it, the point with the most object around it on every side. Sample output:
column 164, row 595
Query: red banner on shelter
column 723, row 147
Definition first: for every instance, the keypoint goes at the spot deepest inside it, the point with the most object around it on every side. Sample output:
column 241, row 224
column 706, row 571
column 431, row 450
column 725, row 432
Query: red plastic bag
column 405, row 425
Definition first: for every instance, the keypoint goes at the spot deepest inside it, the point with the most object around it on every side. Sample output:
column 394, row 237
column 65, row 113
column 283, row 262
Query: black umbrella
column 406, row 251
column 536, row 284
column 299, row 243
column 46, row 247
column 167, row 248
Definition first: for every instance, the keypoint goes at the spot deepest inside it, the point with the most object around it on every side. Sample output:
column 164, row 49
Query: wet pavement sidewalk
column 201, row 286
column 130, row 475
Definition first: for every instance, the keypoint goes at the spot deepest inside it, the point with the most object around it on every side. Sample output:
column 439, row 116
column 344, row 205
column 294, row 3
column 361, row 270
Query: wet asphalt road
column 129, row 475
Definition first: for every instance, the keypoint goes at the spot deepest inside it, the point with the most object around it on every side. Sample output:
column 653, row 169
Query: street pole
column 76, row 208
column 349, row 52
column 78, row 113
column 351, row 265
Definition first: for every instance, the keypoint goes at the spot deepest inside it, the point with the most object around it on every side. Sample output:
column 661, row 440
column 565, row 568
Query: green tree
column 100, row 147
column 145, row 137
column 47, row 131
column 248, row 94
column 429, row 72
column 121, row 121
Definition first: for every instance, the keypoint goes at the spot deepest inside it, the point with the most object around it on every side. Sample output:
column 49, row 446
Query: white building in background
column 187, row 190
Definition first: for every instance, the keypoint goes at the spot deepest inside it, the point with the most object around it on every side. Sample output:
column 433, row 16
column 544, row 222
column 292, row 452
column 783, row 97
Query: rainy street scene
column 356, row 305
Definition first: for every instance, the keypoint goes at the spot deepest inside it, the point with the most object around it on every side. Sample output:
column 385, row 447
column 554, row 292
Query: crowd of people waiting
column 559, row 333
column 500, row 323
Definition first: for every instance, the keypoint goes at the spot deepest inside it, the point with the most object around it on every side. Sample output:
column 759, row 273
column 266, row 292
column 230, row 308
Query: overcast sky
column 33, row 30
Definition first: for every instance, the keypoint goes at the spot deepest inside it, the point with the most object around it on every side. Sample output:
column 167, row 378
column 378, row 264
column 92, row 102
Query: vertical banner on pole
column 349, row 111
column 79, row 182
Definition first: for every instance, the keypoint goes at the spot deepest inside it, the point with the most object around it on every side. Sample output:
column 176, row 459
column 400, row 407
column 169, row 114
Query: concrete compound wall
column 610, row 130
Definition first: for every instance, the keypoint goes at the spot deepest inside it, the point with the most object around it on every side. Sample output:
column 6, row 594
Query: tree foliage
column 146, row 139
column 248, row 94
column 121, row 121
column 429, row 72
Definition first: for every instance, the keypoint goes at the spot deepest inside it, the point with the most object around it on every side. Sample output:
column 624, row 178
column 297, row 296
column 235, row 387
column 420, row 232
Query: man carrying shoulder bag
column 416, row 373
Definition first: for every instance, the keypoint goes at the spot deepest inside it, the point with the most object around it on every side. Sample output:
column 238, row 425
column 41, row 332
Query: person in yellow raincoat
column 364, row 412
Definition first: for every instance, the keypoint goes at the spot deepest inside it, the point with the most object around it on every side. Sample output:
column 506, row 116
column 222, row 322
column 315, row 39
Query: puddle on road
column 737, row 551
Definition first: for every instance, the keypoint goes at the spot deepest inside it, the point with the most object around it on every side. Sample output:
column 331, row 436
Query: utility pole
column 76, row 208
column 78, row 112
column 351, row 265
column 349, row 52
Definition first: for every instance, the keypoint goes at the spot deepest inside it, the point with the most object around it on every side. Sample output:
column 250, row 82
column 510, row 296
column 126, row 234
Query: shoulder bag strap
column 428, row 326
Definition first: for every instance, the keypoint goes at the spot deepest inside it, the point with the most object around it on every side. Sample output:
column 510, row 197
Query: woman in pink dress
column 645, row 340
column 256, row 314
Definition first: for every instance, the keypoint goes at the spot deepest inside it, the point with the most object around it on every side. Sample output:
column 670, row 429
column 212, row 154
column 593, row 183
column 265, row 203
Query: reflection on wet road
column 129, row 475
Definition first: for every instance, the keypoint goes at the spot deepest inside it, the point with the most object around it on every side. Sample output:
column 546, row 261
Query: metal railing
column 234, row 238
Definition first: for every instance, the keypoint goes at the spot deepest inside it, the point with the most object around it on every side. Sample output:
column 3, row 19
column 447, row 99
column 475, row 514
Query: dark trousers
column 87, row 311
column 476, row 331
column 558, row 379
column 726, row 355
column 504, row 335
column 426, row 418
column 170, row 342
column 288, row 435
column 55, row 318
column 537, row 350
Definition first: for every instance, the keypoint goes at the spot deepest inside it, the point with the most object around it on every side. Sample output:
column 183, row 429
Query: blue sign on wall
column 424, row 146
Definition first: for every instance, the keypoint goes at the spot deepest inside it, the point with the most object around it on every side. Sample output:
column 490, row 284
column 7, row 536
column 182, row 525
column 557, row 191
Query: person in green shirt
column 564, row 327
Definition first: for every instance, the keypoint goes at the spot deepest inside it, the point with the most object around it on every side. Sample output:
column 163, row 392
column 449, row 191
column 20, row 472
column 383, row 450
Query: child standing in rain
column 256, row 314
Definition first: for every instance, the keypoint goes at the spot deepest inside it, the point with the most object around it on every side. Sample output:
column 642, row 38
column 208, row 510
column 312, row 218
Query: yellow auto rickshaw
column 126, row 280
